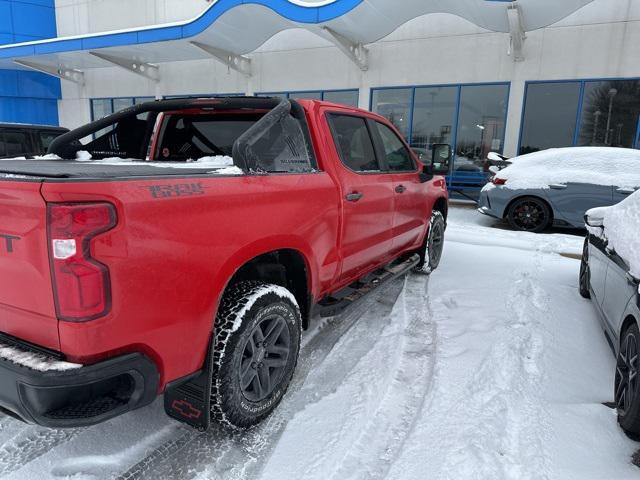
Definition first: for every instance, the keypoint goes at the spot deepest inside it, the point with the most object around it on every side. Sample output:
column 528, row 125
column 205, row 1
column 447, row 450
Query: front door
column 367, row 197
column 411, row 209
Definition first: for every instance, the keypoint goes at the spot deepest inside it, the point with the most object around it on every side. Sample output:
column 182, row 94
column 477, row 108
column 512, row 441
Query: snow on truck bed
column 595, row 165
column 83, row 166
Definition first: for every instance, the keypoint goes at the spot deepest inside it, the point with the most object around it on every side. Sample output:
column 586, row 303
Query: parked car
column 18, row 140
column 557, row 186
column 609, row 275
column 192, row 269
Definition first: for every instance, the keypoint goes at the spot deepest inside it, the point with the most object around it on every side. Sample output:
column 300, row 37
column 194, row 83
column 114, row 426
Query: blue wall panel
column 26, row 96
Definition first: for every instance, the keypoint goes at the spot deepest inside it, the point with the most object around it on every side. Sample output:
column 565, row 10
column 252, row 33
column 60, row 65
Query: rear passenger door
column 367, row 196
column 411, row 209
column 571, row 200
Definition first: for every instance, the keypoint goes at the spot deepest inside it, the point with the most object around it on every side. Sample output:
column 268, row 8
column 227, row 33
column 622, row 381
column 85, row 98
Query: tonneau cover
column 73, row 169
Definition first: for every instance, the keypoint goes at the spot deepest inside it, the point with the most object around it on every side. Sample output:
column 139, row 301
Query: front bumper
column 46, row 391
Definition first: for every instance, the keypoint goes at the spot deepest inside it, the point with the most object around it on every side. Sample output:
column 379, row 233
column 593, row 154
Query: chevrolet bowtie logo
column 7, row 242
column 185, row 409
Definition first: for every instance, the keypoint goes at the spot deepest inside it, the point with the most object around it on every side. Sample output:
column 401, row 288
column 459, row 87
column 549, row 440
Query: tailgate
column 27, row 310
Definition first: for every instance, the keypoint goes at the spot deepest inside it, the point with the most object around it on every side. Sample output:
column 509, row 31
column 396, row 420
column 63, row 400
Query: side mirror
column 442, row 154
column 595, row 221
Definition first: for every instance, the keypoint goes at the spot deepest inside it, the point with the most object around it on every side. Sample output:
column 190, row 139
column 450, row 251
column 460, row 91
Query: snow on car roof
column 593, row 165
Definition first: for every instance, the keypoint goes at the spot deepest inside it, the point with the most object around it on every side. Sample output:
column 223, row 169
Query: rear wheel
column 585, row 273
column 257, row 340
column 431, row 252
column 626, row 394
column 529, row 214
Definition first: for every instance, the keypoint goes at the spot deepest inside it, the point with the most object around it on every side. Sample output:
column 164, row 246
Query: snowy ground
column 492, row 368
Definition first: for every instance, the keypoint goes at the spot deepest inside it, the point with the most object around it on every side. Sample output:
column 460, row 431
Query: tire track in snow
column 382, row 437
column 502, row 428
column 220, row 452
column 29, row 444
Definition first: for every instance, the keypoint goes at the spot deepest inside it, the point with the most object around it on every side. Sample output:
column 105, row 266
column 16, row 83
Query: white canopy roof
column 230, row 28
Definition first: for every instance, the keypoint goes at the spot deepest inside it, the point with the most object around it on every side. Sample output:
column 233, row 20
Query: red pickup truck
column 140, row 271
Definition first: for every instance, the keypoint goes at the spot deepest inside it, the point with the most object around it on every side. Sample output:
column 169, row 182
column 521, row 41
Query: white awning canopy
column 229, row 29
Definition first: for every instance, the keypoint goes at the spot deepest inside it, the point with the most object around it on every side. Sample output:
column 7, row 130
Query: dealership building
column 482, row 75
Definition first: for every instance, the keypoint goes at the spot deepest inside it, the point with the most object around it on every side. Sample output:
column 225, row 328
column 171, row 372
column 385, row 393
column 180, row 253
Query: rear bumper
column 51, row 393
column 484, row 205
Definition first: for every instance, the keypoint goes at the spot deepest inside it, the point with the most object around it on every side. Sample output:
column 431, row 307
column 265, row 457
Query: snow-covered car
column 609, row 275
column 557, row 186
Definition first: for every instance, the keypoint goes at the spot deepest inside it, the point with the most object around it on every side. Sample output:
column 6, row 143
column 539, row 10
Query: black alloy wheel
column 626, row 381
column 585, row 273
column 435, row 244
column 529, row 214
column 626, row 395
column 264, row 358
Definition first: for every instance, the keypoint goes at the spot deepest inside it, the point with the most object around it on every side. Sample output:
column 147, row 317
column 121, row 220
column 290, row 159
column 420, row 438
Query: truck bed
column 70, row 169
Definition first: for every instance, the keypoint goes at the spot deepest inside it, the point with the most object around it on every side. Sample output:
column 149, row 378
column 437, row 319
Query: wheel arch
column 626, row 323
column 441, row 205
column 287, row 267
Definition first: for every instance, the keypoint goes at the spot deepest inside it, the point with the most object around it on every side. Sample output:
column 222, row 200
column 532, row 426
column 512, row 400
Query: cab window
column 353, row 142
column 397, row 156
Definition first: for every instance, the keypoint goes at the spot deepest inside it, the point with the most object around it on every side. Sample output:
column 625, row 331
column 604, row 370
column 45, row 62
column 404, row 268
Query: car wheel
column 585, row 273
column 626, row 394
column 431, row 252
column 257, row 341
column 529, row 214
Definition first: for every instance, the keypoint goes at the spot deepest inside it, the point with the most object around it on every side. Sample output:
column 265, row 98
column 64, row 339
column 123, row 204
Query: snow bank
column 596, row 165
column 622, row 229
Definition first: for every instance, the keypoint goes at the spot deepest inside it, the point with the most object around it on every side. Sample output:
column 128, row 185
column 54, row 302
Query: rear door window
column 185, row 137
column 15, row 143
column 353, row 142
column 396, row 154
column 45, row 140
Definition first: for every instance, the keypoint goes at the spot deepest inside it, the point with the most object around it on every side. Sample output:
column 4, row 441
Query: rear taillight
column 498, row 181
column 81, row 284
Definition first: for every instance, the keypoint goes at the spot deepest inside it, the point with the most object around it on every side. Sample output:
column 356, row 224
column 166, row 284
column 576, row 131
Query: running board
column 339, row 301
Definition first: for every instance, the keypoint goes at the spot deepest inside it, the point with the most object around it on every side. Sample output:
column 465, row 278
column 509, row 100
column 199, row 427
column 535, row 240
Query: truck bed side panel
column 177, row 243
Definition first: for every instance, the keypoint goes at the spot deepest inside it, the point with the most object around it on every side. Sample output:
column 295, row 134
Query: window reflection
column 395, row 105
column 610, row 113
column 549, row 116
column 433, row 116
column 483, row 110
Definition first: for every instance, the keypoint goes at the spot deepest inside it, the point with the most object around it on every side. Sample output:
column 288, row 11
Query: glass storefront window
column 433, row 117
column 306, row 95
column 345, row 97
column 610, row 113
column 481, row 122
column 395, row 105
column 549, row 116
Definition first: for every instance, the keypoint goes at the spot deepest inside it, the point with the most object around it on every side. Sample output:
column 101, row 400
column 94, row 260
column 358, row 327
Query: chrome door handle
column 401, row 189
column 626, row 191
column 354, row 197
column 557, row 186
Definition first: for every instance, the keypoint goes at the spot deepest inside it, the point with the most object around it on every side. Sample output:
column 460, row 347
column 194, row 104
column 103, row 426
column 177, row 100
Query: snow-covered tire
column 628, row 382
column 585, row 274
column 431, row 251
column 246, row 310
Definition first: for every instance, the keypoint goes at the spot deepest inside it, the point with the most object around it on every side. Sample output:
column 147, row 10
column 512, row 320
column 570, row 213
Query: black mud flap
column 188, row 400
